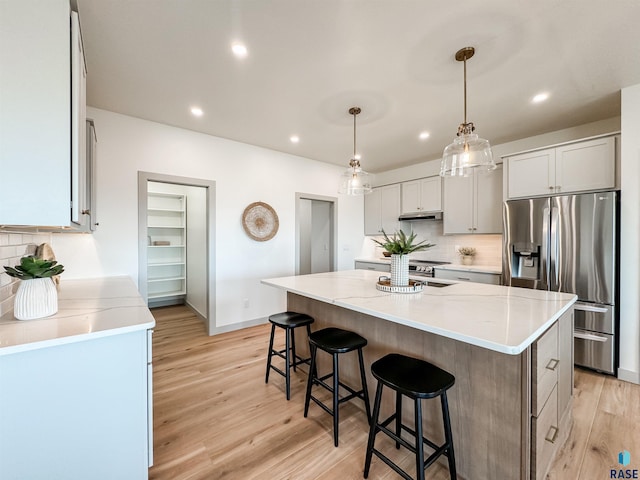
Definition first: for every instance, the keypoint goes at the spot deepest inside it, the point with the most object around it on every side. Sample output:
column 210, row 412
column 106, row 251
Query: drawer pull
column 553, row 364
column 464, row 278
column 554, row 436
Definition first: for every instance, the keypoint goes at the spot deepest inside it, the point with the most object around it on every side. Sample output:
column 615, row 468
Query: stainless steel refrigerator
column 569, row 244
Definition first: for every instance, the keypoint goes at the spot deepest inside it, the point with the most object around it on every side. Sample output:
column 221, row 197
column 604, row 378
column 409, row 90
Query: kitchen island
column 509, row 349
column 75, row 388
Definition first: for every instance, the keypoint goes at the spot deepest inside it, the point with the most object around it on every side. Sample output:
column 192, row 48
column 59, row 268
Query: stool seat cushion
column 336, row 340
column 411, row 376
column 290, row 319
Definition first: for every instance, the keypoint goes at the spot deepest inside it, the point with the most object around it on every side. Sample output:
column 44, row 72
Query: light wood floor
column 215, row 418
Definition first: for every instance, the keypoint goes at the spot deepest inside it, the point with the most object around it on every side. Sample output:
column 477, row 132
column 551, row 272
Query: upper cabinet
column 423, row 195
column 580, row 166
column 382, row 209
column 42, row 124
column 473, row 204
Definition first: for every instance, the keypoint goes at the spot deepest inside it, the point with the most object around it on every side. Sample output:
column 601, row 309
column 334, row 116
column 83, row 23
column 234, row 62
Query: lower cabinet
column 467, row 276
column 77, row 411
column 378, row 267
column 551, row 393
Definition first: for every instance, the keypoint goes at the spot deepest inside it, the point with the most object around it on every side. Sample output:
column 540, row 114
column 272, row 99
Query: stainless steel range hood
column 421, row 216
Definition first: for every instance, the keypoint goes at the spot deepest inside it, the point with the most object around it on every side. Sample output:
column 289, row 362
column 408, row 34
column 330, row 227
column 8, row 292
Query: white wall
column 243, row 174
column 629, row 237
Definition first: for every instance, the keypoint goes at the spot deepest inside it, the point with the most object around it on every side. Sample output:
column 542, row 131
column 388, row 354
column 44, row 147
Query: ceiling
column 309, row 61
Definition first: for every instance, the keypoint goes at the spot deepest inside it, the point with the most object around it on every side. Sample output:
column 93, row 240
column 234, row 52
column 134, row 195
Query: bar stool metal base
column 419, row 380
column 288, row 321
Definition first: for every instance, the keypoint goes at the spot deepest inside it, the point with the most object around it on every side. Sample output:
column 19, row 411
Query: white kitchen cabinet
column 166, row 248
column 473, row 204
column 377, row 267
column 382, row 209
column 76, row 410
column 580, row 166
column 468, row 276
column 42, row 115
column 423, row 195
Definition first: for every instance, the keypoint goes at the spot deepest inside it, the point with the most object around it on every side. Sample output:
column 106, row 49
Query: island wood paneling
column 487, row 404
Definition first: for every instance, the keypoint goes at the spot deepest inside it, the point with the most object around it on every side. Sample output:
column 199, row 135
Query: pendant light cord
column 354, row 135
column 465, row 89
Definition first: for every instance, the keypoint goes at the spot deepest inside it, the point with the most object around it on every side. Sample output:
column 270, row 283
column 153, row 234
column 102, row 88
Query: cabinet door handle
column 554, row 435
column 553, row 364
column 551, row 187
column 86, row 212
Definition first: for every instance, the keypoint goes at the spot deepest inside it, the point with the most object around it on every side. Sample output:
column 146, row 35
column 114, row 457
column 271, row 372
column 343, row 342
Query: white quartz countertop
column 504, row 319
column 87, row 309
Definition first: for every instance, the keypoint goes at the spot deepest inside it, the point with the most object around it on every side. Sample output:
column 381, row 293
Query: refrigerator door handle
column 544, row 253
column 554, row 268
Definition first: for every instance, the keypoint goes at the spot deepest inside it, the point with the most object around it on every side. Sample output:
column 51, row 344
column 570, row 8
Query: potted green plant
column 400, row 246
column 37, row 296
column 467, row 254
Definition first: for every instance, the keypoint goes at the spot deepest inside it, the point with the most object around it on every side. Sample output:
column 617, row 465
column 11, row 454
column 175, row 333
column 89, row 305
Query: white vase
column 35, row 298
column 399, row 270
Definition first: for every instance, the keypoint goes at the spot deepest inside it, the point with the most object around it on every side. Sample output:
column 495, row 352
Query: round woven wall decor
column 260, row 221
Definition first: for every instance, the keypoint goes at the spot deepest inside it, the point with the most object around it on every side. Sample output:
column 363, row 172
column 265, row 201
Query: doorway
column 175, row 238
column 316, row 234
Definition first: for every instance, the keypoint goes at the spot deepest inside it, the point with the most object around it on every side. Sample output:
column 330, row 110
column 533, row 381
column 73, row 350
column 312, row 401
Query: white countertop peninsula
column 504, row 319
column 87, row 309
column 509, row 349
column 76, row 387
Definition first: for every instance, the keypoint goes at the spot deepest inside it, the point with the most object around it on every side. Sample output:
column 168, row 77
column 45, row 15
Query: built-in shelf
column 166, row 264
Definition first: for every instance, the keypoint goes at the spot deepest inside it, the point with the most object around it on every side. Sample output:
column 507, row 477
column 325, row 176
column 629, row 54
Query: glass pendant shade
column 354, row 180
column 468, row 152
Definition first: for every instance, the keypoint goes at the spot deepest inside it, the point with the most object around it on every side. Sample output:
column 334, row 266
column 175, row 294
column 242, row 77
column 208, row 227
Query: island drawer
column 544, row 434
column 545, row 361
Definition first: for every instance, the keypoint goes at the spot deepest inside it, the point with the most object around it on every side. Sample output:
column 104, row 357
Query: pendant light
column 468, row 152
column 355, row 181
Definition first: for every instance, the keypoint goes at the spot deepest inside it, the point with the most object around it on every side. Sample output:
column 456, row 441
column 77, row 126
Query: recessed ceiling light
column 294, row 138
column 196, row 111
column 239, row 50
column 541, row 97
column 423, row 135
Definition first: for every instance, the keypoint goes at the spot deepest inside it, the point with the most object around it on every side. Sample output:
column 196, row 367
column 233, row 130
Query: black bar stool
column 416, row 379
column 336, row 341
column 288, row 321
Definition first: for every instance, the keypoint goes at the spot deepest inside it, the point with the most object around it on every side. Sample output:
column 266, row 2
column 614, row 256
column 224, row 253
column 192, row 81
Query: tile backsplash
column 488, row 247
column 13, row 246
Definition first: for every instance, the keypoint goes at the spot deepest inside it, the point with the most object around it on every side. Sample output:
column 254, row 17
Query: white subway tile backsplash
column 13, row 246
column 488, row 247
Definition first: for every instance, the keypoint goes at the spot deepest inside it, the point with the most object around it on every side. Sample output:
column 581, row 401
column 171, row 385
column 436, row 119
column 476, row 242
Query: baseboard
column 238, row 326
column 629, row 376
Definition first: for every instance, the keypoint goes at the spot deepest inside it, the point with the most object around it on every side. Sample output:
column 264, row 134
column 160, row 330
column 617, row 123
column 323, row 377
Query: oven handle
column 589, row 336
